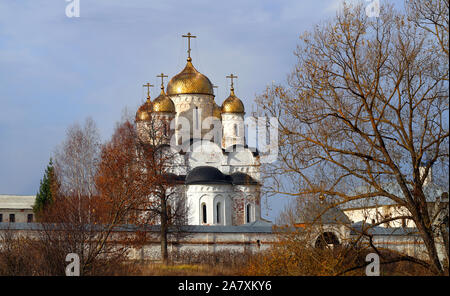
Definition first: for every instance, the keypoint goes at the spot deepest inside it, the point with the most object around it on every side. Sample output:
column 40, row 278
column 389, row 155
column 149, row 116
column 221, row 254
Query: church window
column 218, row 209
column 236, row 132
column 12, row 218
column 30, row 218
column 204, row 220
column 248, row 213
column 196, row 117
column 1, row 217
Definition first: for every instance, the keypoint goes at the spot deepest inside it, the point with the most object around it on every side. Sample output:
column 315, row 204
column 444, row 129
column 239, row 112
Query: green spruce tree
column 44, row 196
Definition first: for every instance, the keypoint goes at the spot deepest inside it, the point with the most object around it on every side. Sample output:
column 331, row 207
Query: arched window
column 196, row 117
column 218, row 215
column 204, row 218
column 248, row 210
column 236, row 130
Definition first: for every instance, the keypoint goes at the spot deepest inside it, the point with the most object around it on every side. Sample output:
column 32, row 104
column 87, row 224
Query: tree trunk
column 164, row 228
column 430, row 244
column 444, row 234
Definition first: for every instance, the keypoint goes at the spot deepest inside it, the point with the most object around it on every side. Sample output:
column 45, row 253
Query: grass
column 157, row 269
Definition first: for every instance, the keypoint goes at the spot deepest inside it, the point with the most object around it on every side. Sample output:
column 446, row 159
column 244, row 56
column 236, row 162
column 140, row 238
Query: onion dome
column 163, row 103
column 144, row 111
column 189, row 81
column 206, row 175
column 233, row 104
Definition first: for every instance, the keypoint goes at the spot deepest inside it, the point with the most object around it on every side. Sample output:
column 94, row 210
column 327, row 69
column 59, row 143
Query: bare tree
column 76, row 161
column 138, row 167
column 82, row 219
column 366, row 105
column 167, row 207
column 431, row 16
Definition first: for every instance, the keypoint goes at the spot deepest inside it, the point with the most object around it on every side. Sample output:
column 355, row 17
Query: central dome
column 189, row 81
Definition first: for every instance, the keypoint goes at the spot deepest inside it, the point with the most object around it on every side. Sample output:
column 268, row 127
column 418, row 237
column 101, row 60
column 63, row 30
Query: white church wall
column 233, row 129
column 185, row 106
column 375, row 214
column 197, row 195
column 211, row 242
column 242, row 160
column 243, row 238
column 206, row 154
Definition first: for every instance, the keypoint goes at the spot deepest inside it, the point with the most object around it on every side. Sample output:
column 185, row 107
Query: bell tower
column 233, row 119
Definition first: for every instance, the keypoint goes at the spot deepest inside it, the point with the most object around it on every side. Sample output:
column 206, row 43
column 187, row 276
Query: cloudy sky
column 55, row 70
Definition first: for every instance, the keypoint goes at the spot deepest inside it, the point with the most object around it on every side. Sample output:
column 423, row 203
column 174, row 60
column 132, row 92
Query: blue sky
column 55, row 70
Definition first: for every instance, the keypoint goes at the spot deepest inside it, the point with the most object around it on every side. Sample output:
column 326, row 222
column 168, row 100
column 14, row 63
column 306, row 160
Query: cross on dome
column 148, row 85
column 162, row 79
column 231, row 76
column 189, row 36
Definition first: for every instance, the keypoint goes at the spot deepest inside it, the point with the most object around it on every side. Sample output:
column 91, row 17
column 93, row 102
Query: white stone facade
column 233, row 129
column 194, row 108
column 233, row 198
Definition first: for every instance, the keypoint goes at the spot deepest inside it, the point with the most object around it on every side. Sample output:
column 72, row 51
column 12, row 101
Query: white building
column 220, row 175
column 17, row 208
column 380, row 208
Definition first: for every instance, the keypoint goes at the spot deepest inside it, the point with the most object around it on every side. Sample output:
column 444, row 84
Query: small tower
column 163, row 111
column 233, row 119
column 143, row 117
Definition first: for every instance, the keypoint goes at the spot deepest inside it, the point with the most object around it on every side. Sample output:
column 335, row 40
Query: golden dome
column 143, row 113
column 189, row 81
column 217, row 111
column 233, row 104
column 163, row 103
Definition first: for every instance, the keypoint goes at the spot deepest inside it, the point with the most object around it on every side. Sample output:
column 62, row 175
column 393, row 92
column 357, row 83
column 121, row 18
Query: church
column 219, row 176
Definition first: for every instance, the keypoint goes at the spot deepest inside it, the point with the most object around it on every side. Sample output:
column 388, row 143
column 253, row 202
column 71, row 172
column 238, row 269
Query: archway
column 326, row 239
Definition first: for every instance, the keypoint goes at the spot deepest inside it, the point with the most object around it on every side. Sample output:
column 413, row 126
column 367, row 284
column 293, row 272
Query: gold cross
column 231, row 76
column 189, row 36
column 148, row 85
column 162, row 79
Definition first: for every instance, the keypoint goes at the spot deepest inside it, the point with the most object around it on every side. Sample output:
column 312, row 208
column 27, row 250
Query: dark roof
column 176, row 178
column 322, row 213
column 206, row 175
column 242, row 179
column 356, row 228
column 432, row 193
